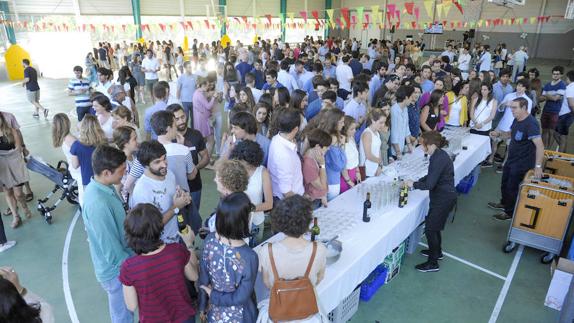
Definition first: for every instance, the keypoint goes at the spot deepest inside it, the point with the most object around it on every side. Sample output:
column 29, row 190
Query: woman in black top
column 440, row 182
column 430, row 114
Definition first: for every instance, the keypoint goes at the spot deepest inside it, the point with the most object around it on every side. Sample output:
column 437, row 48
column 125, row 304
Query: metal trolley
column 541, row 216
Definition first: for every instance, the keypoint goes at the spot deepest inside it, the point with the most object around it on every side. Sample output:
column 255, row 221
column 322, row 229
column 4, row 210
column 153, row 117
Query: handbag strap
column 310, row 265
column 274, row 268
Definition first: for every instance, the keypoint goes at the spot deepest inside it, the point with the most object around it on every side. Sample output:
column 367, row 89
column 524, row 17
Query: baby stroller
column 63, row 180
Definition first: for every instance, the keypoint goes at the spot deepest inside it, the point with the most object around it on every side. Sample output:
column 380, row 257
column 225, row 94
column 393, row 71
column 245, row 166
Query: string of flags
column 406, row 17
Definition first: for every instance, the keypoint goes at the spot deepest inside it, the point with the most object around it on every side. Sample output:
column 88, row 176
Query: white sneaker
column 7, row 245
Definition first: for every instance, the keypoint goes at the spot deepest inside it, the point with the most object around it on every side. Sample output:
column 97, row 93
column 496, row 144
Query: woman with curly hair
column 292, row 216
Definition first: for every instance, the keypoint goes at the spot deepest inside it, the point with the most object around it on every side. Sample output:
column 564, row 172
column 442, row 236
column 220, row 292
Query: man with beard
column 194, row 141
column 387, row 89
column 158, row 187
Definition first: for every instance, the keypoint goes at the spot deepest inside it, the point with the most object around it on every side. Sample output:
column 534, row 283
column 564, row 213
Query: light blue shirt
column 186, row 86
column 499, row 91
column 103, row 214
column 159, row 105
column 400, row 127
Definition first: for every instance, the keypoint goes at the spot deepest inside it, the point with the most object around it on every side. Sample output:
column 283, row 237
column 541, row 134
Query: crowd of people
column 307, row 122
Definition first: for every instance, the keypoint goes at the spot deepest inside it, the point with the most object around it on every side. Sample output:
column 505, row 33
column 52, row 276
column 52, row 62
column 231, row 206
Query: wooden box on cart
column 557, row 163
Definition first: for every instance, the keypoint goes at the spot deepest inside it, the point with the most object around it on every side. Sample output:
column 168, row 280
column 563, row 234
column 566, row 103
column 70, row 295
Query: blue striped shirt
column 82, row 100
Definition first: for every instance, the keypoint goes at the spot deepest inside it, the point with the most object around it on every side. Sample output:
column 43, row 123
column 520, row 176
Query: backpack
column 292, row 299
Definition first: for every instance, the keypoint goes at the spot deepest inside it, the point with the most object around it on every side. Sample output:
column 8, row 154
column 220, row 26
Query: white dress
column 481, row 113
column 370, row 167
column 108, row 128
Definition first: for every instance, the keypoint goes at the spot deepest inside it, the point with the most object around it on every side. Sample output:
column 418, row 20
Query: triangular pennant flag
column 428, row 4
column 439, row 10
column 366, row 23
column 345, row 13
column 446, row 8
column 291, row 16
column 398, row 14
column 375, row 13
column 417, row 13
column 354, row 21
column 315, row 15
column 458, row 6
column 330, row 13
column 303, row 15
column 360, row 14
column 269, row 19
column 391, row 8
column 409, row 6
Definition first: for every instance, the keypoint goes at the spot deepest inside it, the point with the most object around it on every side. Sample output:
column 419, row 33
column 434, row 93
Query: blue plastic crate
column 465, row 184
column 375, row 280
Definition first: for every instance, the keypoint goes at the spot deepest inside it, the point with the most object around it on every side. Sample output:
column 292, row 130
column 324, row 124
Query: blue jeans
column 196, row 198
column 118, row 311
column 188, row 109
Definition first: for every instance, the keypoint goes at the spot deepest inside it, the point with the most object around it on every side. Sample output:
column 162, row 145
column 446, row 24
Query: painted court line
column 468, row 263
column 506, row 286
column 65, row 281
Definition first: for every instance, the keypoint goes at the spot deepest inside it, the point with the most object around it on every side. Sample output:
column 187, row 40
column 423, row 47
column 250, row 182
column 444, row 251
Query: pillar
column 136, row 11
column 223, row 13
column 283, row 10
column 9, row 29
column 328, row 5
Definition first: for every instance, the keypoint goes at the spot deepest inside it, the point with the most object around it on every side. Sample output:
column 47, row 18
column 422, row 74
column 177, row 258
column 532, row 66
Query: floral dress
column 231, row 272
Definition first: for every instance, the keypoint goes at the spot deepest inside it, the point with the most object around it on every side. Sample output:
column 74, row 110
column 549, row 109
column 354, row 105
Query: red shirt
column 160, row 284
column 310, row 173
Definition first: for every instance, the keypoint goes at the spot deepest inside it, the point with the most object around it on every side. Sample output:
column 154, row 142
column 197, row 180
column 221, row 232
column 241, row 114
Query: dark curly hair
column 13, row 307
column 232, row 175
column 249, row 152
column 292, row 216
column 143, row 227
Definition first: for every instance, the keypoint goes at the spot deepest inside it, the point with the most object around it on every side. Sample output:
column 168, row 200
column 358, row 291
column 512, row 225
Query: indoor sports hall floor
column 477, row 281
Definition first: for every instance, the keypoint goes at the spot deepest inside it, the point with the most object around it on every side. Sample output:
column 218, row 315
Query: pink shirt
column 284, row 166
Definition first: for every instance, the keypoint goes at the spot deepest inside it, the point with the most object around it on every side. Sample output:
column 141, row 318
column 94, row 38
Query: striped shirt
column 82, row 100
column 159, row 281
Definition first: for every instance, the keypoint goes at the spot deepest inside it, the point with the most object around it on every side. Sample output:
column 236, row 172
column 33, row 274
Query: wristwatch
column 321, row 166
column 175, row 211
column 538, row 166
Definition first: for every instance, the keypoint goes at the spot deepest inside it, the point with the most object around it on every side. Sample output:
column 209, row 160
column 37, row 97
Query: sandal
column 8, row 212
column 16, row 222
column 29, row 197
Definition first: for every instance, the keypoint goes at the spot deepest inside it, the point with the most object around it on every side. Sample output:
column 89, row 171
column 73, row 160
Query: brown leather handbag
column 292, row 299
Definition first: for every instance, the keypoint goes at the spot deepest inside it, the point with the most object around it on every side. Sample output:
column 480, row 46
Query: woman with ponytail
column 440, row 182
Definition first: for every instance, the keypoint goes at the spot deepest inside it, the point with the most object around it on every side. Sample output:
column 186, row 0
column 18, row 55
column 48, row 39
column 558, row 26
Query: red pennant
column 512, row 20
column 315, row 15
column 410, row 7
column 414, row 24
column 458, row 6
column 190, row 24
column 525, row 20
column 391, row 8
column 547, row 18
column 244, row 20
column 268, row 19
column 452, row 25
column 303, row 15
column 345, row 13
column 354, row 21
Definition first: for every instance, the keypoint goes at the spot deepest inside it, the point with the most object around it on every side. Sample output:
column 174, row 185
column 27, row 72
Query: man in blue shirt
column 329, row 70
column 321, row 86
column 500, row 90
column 334, row 86
column 186, row 89
column 160, row 93
column 243, row 68
column 258, row 73
column 79, row 87
column 105, row 227
column 553, row 94
column 355, row 64
column 271, row 78
column 380, row 69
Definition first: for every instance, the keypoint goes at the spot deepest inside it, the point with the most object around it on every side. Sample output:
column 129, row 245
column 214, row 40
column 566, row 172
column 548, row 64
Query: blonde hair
column 6, row 129
column 91, row 133
column 60, row 129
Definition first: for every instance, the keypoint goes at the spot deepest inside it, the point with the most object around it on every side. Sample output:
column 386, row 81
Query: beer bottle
column 366, row 206
column 315, row 230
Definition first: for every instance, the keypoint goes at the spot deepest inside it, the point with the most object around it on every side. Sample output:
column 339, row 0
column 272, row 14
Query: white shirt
column 508, row 118
column 352, row 154
column 450, row 55
column 255, row 193
column 568, row 94
column 150, row 64
column 287, row 80
column 464, row 62
column 103, row 88
column 344, row 76
column 485, row 62
column 284, row 167
column 370, row 167
column 454, row 113
column 481, row 113
column 257, row 93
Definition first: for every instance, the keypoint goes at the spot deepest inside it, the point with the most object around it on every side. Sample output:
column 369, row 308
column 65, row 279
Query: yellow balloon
column 225, row 41
column 14, row 56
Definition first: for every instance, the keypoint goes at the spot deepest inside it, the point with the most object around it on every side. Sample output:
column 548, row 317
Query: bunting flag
column 345, row 14
column 303, row 15
column 417, row 13
column 446, row 8
column 315, row 15
column 391, row 8
column 367, row 22
column 428, row 4
column 330, row 13
column 458, row 6
column 360, row 14
column 291, row 16
column 409, row 6
column 439, row 10
column 375, row 13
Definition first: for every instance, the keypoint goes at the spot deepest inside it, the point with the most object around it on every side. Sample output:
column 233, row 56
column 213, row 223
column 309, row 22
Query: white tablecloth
column 367, row 244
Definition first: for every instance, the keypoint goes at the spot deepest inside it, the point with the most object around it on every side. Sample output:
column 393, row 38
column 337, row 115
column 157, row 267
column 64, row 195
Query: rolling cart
column 541, row 217
column 558, row 163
